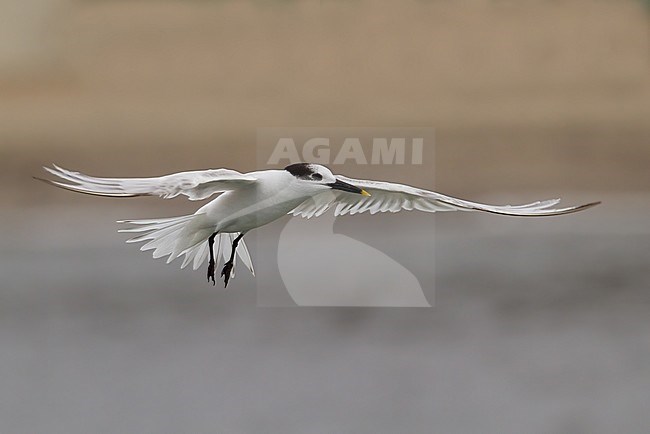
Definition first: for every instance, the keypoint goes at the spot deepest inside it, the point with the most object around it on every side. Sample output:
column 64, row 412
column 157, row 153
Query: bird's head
column 320, row 176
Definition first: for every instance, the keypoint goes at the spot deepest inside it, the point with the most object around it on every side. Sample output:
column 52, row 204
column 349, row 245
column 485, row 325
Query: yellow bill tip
column 365, row 193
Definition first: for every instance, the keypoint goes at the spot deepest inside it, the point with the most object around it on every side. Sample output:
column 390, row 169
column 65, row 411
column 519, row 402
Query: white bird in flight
column 250, row 200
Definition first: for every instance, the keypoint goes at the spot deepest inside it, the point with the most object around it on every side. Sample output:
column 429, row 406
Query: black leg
column 227, row 268
column 211, row 263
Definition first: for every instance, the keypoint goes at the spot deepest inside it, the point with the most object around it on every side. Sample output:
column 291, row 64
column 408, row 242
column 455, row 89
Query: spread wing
column 391, row 197
column 196, row 185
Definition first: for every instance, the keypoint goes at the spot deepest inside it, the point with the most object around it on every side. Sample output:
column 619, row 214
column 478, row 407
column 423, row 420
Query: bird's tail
column 185, row 235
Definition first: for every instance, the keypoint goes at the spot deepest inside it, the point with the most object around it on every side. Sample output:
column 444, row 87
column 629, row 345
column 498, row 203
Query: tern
column 247, row 201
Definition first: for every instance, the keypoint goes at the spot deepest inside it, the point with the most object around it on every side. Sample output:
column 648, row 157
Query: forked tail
column 178, row 236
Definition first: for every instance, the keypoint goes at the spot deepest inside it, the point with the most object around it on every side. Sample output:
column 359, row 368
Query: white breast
column 272, row 197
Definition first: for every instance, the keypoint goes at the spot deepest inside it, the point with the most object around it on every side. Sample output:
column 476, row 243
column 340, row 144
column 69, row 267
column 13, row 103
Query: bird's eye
column 317, row 177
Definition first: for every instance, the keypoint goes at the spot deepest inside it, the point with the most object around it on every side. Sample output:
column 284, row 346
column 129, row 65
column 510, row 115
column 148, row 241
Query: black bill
column 344, row 186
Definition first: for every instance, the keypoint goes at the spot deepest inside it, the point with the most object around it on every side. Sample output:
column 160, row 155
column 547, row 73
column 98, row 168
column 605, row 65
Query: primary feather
column 196, row 185
column 392, row 197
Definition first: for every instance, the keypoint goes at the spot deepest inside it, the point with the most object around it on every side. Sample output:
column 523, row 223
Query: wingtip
column 58, row 168
column 53, row 170
column 47, row 181
column 591, row 204
column 583, row 207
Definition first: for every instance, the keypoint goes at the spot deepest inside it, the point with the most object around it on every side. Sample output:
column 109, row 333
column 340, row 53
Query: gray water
column 538, row 327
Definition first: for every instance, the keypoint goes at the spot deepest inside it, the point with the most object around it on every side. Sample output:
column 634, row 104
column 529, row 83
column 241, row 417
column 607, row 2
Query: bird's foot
column 225, row 273
column 211, row 272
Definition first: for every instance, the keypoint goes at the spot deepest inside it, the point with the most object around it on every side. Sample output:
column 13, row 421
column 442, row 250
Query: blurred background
column 539, row 325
